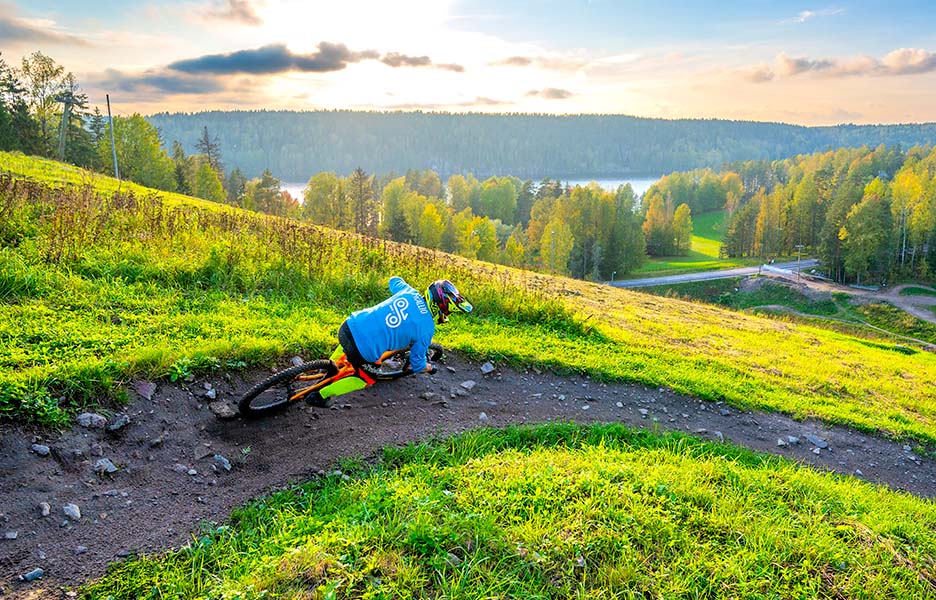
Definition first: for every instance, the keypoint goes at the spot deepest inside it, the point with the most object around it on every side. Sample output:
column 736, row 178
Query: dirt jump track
column 169, row 480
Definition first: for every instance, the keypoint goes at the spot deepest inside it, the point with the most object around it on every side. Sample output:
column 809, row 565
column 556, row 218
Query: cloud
column 480, row 101
column 156, row 81
column 551, row 93
column 395, row 59
column 514, row 61
column 240, row 11
column 554, row 63
column 274, row 58
column 277, row 58
column 757, row 73
column 13, row 29
column 903, row 61
column 787, row 66
column 808, row 15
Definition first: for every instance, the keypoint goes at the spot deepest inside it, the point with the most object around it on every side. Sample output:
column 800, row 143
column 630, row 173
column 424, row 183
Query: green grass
column 728, row 292
column 836, row 313
column 557, row 512
column 703, row 254
column 894, row 319
column 917, row 291
column 98, row 289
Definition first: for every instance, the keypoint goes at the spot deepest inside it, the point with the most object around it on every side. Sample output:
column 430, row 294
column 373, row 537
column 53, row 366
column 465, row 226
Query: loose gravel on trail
column 143, row 478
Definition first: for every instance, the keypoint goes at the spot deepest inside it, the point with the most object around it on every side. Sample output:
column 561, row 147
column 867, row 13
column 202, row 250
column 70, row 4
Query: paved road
column 804, row 264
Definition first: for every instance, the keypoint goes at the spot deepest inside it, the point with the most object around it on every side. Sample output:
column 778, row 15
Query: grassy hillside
column 707, row 234
column 557, row 512
column 99, row 288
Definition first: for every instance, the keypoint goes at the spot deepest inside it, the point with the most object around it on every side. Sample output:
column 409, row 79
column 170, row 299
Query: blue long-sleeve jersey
column 400, row 321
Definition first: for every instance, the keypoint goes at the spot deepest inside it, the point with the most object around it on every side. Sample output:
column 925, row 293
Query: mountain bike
column 303, row 382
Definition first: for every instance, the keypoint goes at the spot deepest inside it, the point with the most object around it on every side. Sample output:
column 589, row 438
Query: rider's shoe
column 315, row 399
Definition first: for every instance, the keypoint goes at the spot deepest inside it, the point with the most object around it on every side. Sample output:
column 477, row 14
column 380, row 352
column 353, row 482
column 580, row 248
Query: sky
column 804, row 63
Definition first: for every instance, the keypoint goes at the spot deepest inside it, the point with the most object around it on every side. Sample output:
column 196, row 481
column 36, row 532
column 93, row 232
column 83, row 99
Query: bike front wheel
column 287, row 386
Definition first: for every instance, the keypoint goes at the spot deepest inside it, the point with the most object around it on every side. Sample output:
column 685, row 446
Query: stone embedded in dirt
column 781, row 442
column 586, row 406
column 792, row 439
column 482, row 416
column 192, row 472
column 487, row 368
column 72, row 511
column 211, row 394
column 720, row 436
column 450, row 369
column 453, row 560
column 11, row 535
column 296, row 361
column 619, row 404
column 643, row 412
column 223, row 410
column 430, row 396
column 561, row 397
column 207, row 385
column 724, row 412
column 105, row 466
column 118, row 422
column 815, row 451
column 818, row 442
column 222, row 462
column 40, row 449
column 146, row 389
column 92, row 420
column 180, row 468
column 81, row 549
column 45, row 509
column 858, row 472
column 468, row 385
column 32, row 575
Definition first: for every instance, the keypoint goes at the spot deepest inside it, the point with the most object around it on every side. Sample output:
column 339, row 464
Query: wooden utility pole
column 113, row 146
column 68, row 99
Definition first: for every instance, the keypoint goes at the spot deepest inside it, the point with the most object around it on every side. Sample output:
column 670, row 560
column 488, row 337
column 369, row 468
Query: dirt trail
column 918, row 305
column 169, row 480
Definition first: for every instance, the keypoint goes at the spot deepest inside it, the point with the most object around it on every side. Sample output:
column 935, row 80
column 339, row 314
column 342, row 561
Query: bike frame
column 345, row 369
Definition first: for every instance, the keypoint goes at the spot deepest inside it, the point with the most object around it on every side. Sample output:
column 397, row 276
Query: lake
column 640, row 184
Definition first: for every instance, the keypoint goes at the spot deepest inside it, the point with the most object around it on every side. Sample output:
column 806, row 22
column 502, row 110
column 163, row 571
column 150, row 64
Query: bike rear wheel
column 279, row 390
column 434, row 354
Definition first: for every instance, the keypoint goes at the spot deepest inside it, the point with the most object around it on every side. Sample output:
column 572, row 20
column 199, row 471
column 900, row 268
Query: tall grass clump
column 557, row 511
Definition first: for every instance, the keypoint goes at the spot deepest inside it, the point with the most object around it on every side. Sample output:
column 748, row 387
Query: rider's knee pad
column 343, row 386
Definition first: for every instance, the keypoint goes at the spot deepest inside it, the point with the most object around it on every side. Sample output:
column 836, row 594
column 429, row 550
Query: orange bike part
column 344, row 370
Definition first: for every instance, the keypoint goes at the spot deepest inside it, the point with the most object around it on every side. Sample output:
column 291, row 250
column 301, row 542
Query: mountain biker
column 404, row 320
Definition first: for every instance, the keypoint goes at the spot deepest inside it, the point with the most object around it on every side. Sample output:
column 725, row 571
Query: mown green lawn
column 96, row 290
column 917, row 291
column 557, row 511
column 708, row 232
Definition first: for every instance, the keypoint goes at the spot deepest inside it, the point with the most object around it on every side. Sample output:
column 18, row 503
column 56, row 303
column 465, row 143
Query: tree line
column 296, row 144
column 869, row 214
column 585, row 231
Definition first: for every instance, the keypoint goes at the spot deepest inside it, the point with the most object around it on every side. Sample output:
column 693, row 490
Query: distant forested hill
column 295, row 145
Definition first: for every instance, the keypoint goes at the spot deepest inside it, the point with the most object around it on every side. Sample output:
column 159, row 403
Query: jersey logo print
column 398, row 314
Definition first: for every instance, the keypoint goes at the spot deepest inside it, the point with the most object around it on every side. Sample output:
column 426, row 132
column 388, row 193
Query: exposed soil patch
column 169, row 480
